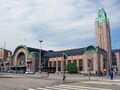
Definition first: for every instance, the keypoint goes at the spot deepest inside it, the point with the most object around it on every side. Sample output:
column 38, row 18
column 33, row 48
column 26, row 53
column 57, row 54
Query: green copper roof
column 91, row 49
column 101, row 15
column 34, row 53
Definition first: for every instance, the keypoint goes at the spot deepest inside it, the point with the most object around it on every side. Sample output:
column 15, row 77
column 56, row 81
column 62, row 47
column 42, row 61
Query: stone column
column 95, row 63
column 72, row 61
column 85, row 66
column 62, row 65
column 33, row 67
column 56, row 66
column 78, row 64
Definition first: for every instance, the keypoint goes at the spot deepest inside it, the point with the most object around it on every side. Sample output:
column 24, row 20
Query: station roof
column 51, row 53
column 34, row 49
column 78, row 51
column 68, row 52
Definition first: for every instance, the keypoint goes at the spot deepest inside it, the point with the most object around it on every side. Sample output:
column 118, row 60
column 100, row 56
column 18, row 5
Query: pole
column 64, row 71
column 89, row 61
column 64, row 77
column 64, row 57
column 4, row 56
column 40, row 55
column 64, row 66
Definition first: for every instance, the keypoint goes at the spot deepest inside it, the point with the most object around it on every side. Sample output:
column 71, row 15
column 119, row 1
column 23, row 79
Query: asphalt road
column 28, row 82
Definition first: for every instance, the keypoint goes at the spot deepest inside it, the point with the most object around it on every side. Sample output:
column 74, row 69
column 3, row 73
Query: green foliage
column 72, row 68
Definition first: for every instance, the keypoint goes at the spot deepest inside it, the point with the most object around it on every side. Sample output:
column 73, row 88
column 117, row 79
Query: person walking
column 108, row 74
column 111, row 74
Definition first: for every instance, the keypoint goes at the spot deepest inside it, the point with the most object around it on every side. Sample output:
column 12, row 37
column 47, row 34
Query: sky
column 61, row 24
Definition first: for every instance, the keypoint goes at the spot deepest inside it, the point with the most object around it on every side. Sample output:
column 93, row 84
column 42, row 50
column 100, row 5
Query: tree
column 72, row 68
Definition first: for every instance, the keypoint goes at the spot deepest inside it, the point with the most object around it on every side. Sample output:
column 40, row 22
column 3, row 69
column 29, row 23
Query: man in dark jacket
column 111, row 74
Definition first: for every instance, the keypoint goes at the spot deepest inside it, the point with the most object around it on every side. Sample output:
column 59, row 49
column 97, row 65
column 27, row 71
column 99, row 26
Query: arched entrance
column 21, row 65
column 21, row 58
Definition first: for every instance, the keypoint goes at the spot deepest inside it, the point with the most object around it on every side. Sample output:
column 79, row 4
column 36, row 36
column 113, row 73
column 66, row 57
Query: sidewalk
column 72, row 77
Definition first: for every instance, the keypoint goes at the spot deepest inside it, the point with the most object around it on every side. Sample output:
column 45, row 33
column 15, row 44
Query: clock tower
column 103, row 38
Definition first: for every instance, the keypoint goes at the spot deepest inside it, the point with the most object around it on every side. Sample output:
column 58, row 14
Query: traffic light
column 64, row 56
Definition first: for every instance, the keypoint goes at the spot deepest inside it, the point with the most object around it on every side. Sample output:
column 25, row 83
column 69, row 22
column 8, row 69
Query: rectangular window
column 114, row 62
column 75, row 62
column 65, row 62
column 54, row 64
column 80, row 64
column 69, row 61
column 59, row 65
column 50, row 64
column 90, row 64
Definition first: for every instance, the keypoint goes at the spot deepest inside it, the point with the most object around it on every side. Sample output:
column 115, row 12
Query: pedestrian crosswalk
column 68, row 87
column 102, row 83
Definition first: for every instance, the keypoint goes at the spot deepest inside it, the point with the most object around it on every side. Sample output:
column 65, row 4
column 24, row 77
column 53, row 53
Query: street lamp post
column 64, row 57
column 40, row 58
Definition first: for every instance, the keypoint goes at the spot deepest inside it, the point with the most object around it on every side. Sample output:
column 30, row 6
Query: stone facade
column 99, row 60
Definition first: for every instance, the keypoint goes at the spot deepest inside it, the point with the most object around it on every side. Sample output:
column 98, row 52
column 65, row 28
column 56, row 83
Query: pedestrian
column 64, row 77
column 48, row 73
column 102, row 73
column 111, row 74
column 108, row 74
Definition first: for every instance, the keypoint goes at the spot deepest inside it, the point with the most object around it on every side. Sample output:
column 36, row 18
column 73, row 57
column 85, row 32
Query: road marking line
column 31, row 89
column 69, row 87
column 66, row 87
column 101, row 82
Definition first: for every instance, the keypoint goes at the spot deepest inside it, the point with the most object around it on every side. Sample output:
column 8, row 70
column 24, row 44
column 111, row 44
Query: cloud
column 62, row 24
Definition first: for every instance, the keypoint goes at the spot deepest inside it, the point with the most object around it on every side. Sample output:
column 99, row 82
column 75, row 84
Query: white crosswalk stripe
column 102, row 83
column 68, row 87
